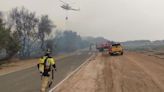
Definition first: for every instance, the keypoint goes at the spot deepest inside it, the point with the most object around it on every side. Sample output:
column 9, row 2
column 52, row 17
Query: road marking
column 51, row 90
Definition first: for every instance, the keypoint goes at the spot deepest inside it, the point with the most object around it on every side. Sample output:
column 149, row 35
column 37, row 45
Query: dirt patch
column 18, row 65
column 132, row 72
column 85, row 80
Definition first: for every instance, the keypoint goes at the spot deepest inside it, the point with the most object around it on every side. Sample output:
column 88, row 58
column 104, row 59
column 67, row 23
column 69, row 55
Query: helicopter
column 67, row 7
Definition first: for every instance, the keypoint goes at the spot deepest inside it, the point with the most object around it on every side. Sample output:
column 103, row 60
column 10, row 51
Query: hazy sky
column 118, row 20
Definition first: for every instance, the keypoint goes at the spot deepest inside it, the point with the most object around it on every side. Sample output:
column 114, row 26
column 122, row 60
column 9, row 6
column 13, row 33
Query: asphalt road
column 28, row 80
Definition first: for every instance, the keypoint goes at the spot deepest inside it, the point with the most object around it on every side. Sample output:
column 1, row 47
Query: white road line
column 51, row 90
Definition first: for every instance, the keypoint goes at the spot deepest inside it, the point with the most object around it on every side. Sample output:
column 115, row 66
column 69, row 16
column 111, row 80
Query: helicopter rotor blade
column 63, row 2
column 75, row 9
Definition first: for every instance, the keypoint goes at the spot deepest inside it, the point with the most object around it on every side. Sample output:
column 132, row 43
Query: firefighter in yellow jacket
column 46, row 66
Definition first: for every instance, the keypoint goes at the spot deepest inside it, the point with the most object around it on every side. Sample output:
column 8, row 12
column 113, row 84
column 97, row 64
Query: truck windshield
column 116, row 45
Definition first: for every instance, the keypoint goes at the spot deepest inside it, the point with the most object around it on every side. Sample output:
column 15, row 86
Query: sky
column 118, row 20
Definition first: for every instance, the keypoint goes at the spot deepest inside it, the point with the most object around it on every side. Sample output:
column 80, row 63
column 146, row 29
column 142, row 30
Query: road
column 28, row 80
column 132, row 72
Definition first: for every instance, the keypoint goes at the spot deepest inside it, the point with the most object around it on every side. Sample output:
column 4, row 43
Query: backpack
column 47, row 65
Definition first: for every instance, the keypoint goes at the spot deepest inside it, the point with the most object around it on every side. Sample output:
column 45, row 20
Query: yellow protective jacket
column 46, row 62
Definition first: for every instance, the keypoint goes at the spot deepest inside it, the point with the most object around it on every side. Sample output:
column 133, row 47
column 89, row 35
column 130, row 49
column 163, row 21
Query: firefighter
column 46, row 66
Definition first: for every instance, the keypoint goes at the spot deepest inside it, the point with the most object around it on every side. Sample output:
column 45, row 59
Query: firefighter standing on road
column 45, row 67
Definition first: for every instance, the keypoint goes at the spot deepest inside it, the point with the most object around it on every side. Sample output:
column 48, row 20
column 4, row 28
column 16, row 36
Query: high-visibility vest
column 45, row 63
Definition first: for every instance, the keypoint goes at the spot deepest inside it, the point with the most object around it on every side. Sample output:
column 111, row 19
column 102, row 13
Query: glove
column 41, row 73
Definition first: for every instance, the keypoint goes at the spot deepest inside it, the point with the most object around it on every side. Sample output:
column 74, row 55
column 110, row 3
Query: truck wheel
column 111, row 54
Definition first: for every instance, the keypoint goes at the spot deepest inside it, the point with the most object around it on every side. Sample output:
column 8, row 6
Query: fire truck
column 110, row 48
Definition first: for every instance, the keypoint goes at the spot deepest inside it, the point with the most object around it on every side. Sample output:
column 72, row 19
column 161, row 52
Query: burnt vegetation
column 25, row 35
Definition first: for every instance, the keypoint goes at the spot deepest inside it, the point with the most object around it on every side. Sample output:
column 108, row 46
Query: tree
column 24, row 24
column 44, row 28
column 8, row 41
column 69, row 41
